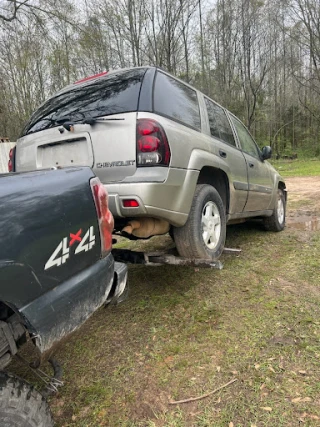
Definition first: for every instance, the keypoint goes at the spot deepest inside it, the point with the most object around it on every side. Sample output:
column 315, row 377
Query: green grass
column 290, row 168
column 185, row 331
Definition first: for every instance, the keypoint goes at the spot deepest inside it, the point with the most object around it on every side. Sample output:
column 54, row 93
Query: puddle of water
column 308, row 223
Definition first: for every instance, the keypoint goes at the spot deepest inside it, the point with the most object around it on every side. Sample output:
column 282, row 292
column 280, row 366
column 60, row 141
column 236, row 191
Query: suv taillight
column 11, row 166
column 105, row 218
column 152, row 144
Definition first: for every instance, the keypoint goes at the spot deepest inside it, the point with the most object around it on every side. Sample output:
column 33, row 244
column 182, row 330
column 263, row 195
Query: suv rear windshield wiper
column 44, row 123
column 116, row 93
column 92, row 121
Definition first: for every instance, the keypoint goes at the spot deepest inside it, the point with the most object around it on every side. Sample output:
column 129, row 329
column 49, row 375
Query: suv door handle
column 222, row 154
column 251, row 165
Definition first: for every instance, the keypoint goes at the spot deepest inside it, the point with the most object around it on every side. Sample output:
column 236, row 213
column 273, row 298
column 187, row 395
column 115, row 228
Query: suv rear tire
column 203, row 235
column 21, row 404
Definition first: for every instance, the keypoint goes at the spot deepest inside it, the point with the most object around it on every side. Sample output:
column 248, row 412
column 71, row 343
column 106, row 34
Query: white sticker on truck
column 62, row 252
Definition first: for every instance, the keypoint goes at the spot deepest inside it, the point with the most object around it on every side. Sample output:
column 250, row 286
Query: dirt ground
column 303, row 203
column 303, row 189
column 178, row 335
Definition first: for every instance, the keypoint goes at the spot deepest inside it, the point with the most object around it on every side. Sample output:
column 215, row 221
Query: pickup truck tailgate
column 61, row 241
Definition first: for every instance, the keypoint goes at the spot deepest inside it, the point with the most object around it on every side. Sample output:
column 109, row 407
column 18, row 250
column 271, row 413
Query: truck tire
column 203, row 235
column 21, row 405
column 277, row 220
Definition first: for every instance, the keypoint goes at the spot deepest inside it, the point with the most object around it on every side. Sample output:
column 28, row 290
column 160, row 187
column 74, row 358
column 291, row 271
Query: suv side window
column 247, row 143
column 219, row 123
column 177, row 101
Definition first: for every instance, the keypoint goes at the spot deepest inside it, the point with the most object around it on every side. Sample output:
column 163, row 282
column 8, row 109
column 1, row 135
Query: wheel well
column 5, row 311
column 219, row 180
column 8, row 311
column 282, row 186
column 12, row 334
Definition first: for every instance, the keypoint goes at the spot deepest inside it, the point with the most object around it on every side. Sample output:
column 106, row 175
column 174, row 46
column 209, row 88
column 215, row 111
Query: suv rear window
column 116, row 93
column 177, row 101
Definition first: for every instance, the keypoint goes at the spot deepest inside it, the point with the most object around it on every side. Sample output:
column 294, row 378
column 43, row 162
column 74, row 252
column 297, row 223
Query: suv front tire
column 276, row 222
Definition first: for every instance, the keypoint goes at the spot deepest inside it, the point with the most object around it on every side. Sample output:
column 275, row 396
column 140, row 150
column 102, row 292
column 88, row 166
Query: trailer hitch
column 158, row 258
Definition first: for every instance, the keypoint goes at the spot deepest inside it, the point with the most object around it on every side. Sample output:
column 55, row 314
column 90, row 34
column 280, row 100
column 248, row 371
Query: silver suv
column 171, row 158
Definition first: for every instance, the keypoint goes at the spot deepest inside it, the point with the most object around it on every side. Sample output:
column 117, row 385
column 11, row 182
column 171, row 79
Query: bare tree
column 9, row 9
column 259, row 59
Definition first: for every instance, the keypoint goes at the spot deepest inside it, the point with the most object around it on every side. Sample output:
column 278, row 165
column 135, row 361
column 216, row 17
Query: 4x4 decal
column 62, row 252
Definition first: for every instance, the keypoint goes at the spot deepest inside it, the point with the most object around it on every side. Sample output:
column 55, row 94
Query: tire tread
column 187, row 241
column 17, row 396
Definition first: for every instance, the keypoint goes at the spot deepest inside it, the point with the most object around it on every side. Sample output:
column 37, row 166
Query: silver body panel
column 163, row 192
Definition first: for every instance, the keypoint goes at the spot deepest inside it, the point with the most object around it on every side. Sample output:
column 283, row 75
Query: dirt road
column 303, row 202
column 300, row 188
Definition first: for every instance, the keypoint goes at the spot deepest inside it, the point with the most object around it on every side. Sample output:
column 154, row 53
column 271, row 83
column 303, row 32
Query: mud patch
column 306, row 191
column 304, row 222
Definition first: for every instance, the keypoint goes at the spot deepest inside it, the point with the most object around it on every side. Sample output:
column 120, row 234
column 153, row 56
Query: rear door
column 114, row 145
column 223, row 145
column 92, row 123
column 259, row 176
column 50, row 148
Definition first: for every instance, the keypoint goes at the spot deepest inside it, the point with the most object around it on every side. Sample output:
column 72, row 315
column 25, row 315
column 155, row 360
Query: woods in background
column 260, row 59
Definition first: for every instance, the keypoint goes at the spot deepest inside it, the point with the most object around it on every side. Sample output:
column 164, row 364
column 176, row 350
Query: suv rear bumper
column 169, row 199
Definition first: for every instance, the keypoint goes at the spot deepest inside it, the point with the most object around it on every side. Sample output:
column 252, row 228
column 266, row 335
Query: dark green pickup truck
column 56, row 269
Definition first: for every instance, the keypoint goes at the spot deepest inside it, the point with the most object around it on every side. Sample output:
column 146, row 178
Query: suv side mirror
column 266, row 152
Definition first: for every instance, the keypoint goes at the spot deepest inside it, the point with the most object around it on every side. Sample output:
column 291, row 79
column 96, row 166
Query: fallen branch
column 192, row 399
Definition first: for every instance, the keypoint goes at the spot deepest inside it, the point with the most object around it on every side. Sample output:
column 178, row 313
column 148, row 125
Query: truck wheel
column 204, row 233
column 276, row 221
column 21, row 405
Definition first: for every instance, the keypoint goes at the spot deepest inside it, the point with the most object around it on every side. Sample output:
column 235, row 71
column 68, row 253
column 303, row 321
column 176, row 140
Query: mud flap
column 118, row 291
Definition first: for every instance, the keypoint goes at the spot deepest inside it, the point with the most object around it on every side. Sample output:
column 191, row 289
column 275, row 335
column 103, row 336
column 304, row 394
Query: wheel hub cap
column 211, row 225
column 280, row 210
